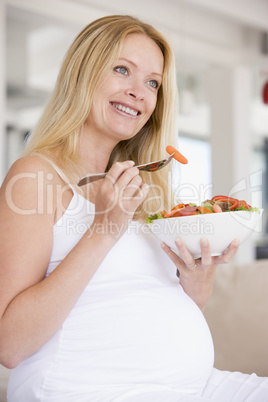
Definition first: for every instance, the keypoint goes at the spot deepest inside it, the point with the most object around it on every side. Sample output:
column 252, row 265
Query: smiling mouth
column 125, row 109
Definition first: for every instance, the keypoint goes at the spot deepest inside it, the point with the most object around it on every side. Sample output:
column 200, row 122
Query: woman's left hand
column 197, row 276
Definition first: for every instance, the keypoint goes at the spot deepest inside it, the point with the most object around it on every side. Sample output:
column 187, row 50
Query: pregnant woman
column 91, row 308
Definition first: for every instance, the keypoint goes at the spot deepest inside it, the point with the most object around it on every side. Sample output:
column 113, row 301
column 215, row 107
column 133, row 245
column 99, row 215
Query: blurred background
column 221, row 51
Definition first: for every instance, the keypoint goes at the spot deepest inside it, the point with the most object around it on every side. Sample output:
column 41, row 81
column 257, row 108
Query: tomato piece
column 234, row 205
column 243, row 204
column 225, row 198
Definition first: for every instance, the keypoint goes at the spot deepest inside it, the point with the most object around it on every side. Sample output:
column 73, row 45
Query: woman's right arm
column 32, row 307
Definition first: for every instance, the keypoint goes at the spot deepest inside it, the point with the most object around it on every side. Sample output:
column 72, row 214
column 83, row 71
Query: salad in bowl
column 220, row 219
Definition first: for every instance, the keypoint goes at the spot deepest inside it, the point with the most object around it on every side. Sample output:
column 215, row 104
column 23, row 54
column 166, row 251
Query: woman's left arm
column 197, row 276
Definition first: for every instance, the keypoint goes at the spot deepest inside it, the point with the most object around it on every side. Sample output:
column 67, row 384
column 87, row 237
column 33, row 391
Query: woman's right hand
column 119, row 195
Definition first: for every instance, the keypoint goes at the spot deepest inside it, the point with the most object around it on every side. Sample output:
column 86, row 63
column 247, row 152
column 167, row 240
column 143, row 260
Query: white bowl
column 219, row 228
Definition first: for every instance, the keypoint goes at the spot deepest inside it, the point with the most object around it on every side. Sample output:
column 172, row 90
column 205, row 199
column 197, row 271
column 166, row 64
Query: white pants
column 223, row 386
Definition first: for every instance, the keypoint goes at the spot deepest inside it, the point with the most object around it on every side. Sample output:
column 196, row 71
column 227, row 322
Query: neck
column 94, row 155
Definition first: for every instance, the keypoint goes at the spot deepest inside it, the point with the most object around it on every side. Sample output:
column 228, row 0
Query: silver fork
column 148, row 167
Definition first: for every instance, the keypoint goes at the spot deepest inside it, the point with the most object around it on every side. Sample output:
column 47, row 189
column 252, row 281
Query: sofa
column 4, row 374
column 237, row 314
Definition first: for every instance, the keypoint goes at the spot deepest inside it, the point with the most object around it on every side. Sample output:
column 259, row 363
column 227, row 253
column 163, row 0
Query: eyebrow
column 135, row 65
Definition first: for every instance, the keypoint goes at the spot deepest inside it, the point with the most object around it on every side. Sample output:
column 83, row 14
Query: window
column 192, row 182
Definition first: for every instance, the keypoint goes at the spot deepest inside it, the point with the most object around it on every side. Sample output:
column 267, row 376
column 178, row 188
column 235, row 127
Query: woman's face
column 125, row 100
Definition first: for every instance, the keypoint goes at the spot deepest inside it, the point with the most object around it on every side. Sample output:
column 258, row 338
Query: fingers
column 121, row 173
column 133, row 195
column 185, row 261
column 173, row 256
column 125, row 177
column 123, row 187
column 185, row 254
column 132, row 186
column 206, row 260
column 229, row 253
column 197, row 275
column 206, row 257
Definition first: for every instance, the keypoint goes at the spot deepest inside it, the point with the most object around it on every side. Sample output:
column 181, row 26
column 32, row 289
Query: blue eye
column 153, row 83
column 121, row 70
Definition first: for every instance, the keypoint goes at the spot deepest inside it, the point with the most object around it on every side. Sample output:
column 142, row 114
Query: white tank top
column 132, row 330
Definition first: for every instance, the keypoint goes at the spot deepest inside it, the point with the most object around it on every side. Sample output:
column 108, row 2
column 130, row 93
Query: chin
column 123, row 136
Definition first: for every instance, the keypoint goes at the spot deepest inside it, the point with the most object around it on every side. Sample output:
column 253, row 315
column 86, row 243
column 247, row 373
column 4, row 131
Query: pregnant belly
column 155, row 336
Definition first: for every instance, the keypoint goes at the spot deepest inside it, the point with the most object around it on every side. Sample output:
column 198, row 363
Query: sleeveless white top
column 133, row 330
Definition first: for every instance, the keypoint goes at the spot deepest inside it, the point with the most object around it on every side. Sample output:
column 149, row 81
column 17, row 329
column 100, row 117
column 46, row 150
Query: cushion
column 237, row 314
column 4, row 374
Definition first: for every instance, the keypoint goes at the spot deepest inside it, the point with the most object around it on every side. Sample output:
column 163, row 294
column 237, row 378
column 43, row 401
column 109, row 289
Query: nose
column 136, row 90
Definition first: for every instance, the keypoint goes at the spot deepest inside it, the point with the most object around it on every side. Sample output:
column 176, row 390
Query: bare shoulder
column 33, row 184
column 32, row 173
column 28, row 166
column 26, row 185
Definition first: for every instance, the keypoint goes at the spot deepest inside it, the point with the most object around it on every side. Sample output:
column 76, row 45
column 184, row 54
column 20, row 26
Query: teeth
column 125, row 109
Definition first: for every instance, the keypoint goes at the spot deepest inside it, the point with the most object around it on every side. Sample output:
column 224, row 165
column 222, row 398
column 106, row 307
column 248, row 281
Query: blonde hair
column 89, row 58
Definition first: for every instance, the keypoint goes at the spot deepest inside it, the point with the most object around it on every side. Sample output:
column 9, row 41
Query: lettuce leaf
column 150, row 218
column 252, row 209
